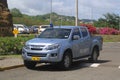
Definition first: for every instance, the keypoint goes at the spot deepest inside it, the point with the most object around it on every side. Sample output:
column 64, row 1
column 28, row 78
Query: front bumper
column 50, row 56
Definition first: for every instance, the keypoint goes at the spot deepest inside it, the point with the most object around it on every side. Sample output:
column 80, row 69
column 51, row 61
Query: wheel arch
column 68, row 50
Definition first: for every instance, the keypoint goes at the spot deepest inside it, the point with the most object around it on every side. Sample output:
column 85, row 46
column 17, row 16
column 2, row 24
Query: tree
column 109, row 20
column 16, row 12
column 100, row 23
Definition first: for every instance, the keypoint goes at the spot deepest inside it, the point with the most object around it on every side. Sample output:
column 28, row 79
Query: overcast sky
column 88, row 9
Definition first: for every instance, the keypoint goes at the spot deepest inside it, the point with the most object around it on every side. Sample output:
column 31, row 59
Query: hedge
column 11, row 45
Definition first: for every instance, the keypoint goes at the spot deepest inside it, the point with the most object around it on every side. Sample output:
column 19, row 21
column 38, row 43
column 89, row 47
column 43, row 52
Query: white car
column 43, row 27
column 21, row 28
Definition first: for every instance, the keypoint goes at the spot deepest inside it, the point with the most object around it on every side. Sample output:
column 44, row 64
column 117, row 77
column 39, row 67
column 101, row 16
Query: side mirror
column 76, row 37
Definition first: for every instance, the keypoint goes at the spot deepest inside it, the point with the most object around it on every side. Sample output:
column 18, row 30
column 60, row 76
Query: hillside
column 44, row 19
column 57, row 19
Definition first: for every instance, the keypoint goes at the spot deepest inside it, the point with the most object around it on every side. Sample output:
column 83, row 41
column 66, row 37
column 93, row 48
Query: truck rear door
column 86, row 41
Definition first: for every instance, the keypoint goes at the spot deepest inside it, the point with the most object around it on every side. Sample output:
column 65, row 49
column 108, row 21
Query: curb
column 11, row 67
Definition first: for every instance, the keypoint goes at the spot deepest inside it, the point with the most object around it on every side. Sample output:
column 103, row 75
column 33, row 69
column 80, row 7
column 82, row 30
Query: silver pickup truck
column 63, row 45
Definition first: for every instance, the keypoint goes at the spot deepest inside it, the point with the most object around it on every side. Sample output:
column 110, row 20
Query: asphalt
column 7, row 63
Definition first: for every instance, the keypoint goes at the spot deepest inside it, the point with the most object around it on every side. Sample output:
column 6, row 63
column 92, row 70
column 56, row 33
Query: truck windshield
column 55, row 33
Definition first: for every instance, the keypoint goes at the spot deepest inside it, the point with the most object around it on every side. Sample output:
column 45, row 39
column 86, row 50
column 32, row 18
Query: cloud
column 87, row 8
column 31, row 7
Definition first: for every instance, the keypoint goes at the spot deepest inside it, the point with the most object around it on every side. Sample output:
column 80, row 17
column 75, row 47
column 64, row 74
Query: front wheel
column 94, row 56
column 67, row 61
column 29, row 64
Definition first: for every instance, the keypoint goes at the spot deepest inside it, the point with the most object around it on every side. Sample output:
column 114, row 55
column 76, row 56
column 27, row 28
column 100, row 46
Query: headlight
column 51, row 47
column 27, row 47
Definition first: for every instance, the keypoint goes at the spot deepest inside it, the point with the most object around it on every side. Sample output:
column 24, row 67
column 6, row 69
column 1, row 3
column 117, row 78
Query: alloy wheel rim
column 95, row 55
column 67, row 61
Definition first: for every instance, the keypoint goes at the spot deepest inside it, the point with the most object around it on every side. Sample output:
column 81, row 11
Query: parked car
column 34, row 29
column 21, row 28
column 43, row 27
column 62, row 45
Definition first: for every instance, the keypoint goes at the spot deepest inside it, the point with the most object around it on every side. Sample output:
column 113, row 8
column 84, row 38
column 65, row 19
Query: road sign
column 15, row 31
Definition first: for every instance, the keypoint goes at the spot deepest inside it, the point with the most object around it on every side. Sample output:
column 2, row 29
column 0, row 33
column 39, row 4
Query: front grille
column 37, row 54
column 36, row 49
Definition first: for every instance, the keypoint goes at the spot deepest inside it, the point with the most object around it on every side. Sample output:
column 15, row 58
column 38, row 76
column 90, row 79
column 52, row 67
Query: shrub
column 90, row 27
column 10, row 45
column 108, row 31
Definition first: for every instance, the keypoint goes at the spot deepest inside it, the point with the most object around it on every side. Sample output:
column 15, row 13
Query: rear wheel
column 94, row 56
column 29, row 64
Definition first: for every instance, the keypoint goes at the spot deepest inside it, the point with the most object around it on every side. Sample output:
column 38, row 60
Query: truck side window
column 76, row 31
column 84, row 32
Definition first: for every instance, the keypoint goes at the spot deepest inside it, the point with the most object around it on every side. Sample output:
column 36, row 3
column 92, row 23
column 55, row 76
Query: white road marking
column 94, row 65
column 119, row 67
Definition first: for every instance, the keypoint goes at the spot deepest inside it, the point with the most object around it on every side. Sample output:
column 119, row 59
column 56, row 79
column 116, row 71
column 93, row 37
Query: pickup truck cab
column 63, row 45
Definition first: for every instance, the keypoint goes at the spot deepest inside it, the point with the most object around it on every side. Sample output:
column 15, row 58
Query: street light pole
column 76, row 19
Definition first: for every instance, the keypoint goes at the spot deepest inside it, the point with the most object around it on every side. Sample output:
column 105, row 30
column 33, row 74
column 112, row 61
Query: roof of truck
column 67, row 27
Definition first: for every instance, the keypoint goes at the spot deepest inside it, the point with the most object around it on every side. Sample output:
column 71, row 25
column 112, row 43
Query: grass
column 10, row 56
column 111, row 38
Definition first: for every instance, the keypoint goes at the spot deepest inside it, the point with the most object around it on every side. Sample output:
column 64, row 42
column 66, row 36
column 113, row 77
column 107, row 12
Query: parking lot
column 107, row 68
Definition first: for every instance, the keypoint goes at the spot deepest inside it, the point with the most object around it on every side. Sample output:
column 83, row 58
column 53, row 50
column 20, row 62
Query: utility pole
column 61, row 18
column 51, row 11
column 51, row 24
column 119, row 23
column 76, row 19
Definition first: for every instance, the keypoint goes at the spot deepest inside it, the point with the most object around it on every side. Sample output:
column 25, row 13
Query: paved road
column 107, row 68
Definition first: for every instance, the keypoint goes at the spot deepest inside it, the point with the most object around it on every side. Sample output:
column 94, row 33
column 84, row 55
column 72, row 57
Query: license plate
column 36, row 58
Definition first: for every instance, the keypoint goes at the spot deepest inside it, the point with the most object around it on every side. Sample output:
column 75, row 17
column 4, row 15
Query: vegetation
column 11, row 45
column 109, row 20
column 16, row 13
column 111, row 38
column 18, row 17
column 90, row 27
column 103, row 31
column 10, row 56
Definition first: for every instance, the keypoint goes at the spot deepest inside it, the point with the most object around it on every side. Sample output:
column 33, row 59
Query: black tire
column 66, row 61
column 94, row 56
column 30, row 64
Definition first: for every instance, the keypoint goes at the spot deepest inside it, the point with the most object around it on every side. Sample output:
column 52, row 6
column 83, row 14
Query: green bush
column 11, row 45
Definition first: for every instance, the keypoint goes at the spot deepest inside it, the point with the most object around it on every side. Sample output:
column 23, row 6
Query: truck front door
column 76, row 43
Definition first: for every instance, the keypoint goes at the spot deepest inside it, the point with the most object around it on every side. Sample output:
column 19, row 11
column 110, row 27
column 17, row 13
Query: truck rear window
column 84, row 32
